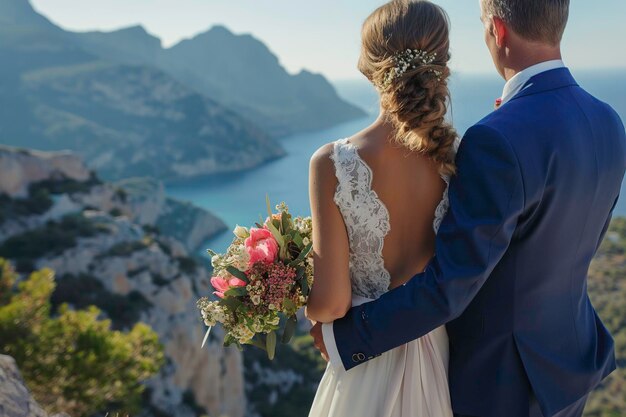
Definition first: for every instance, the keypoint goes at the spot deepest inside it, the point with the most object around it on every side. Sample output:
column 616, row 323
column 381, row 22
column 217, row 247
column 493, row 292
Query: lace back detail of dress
column 442, row 208
column 444, row 204
column 366, row 219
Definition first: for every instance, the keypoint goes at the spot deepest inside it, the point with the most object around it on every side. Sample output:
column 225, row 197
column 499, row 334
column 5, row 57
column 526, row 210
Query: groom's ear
column 499, row 30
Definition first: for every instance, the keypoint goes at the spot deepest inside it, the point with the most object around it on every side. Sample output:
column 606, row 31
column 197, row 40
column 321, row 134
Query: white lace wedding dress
column 408, row 381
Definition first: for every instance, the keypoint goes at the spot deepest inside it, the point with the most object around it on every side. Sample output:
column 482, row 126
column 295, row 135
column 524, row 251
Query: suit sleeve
column 486, row 199
column 607, row 224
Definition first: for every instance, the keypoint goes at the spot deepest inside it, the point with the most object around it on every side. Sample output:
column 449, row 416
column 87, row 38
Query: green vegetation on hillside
column 607, row 287
column 65, row 185
column 73, row 361
column 39, row 199
column 53, row 238
column 37, row 202
column 284, row 387
column 85, row 290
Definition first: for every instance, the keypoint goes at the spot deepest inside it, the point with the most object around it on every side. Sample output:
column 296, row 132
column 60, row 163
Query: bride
column 377, row 199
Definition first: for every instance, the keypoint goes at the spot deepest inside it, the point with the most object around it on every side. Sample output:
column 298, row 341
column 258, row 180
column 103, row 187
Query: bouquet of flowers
column 261, row 281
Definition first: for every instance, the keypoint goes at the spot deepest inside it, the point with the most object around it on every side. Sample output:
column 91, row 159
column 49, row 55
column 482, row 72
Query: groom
column 537, row 182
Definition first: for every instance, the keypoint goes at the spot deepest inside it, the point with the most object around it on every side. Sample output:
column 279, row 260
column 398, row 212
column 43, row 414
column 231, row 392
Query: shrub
column 115, row 212
column 84, row 290
column 125, row 248
column 607, row 289
column 121, row 195
column 186, row 264
column 151, row 229
column 73, row 362
column 52, row 238
column 64, row 185
column 37, row 202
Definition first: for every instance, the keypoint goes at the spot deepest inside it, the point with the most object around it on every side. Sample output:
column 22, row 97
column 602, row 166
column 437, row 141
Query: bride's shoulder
column 322, row 163
column 325, row 154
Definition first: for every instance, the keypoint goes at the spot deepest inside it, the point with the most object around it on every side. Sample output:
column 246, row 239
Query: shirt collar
column 519, row 80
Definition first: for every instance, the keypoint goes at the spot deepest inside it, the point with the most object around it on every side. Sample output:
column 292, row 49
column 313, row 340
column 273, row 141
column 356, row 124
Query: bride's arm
column 331, row 293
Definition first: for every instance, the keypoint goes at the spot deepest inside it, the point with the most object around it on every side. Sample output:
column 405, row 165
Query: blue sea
column 240, row 198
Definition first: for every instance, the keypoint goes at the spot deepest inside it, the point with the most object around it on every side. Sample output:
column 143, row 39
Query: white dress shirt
column 513, row 86
column 519, row 80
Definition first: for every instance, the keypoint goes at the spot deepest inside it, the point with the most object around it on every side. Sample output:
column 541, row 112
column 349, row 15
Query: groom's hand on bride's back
column 318, row 340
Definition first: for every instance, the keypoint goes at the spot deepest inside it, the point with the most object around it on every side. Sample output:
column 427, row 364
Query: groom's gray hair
column 536, row 20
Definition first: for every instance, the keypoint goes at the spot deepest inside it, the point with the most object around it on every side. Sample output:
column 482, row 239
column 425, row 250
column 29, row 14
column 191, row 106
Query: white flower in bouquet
column 212, row 312
column 238, row 257
column 242, row 333
column 241, row 232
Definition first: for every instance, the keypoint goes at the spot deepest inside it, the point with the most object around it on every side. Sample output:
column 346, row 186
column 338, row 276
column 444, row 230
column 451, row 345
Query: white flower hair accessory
column 409, row 59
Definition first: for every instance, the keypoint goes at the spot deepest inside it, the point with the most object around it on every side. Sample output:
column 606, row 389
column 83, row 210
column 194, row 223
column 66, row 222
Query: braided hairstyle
column 416, row 97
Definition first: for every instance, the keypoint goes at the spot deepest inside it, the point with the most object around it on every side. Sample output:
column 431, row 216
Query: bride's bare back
column 411, row 188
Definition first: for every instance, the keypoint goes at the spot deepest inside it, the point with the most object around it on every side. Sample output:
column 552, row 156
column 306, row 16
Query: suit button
column 361, row 357
column 355, row 358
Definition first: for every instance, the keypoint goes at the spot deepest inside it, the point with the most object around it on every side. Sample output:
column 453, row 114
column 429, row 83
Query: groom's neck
column 528, row 55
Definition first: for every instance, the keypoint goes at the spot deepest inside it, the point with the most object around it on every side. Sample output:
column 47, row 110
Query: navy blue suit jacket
column 536, row 185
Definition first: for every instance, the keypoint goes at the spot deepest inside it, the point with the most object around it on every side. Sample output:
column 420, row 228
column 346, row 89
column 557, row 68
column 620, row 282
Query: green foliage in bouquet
column 262, row 280
column 73, row 362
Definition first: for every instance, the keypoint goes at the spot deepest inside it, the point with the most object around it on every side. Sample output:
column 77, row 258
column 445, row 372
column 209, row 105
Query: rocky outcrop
column 15, row 398
column 142, row 200
column 114, row 254
column 145, row 196
column 183, row 221
column 189, row 224
column 19, row 169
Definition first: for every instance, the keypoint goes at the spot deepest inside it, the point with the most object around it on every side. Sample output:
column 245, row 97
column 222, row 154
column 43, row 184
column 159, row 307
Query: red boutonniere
column 498, row 103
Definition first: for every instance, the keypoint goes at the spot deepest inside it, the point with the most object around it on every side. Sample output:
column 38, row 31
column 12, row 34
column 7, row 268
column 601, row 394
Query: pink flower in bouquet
column 261, row 246
column 272, row 283
column 280, row 279
column 222, row 285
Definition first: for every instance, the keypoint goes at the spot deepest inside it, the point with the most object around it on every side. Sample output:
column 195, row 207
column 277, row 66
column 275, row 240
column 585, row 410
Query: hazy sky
column 324, row 35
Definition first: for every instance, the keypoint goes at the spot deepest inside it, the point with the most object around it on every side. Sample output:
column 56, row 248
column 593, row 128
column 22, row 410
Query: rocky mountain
column 132, row 45
column 124, row 119
column 236, row 70
column 241, row 72
column 104, row 242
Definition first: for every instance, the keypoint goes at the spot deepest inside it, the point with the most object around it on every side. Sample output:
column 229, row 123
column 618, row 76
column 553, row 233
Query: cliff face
column 104, row 243
column 183, row 221
column 15, row 399
column 19, row 169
